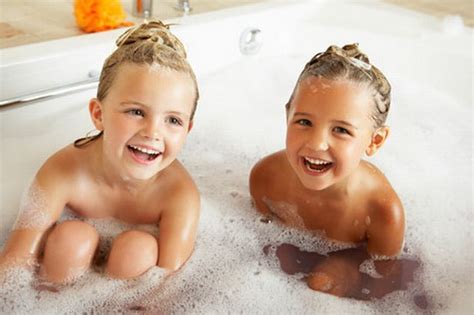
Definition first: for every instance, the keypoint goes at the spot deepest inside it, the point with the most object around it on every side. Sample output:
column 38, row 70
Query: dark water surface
column 393, row 275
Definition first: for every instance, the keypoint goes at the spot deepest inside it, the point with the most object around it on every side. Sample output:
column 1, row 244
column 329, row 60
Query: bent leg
column 69, row 250
column 132, row 254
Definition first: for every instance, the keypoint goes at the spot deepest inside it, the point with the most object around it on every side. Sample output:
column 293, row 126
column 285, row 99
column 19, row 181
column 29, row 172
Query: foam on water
column 229, row 271
column 23, row 292
column 368, row 267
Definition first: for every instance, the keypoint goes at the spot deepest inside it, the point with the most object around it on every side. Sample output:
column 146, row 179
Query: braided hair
column 149, row 43
column 351, row 64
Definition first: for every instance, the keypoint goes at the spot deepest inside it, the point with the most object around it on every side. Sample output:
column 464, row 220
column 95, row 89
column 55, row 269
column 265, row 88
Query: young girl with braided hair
column 335, row 115
column 143, row 111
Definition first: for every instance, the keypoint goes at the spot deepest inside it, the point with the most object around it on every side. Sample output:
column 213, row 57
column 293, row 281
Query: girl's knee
column 132, row 254
column 69, row 250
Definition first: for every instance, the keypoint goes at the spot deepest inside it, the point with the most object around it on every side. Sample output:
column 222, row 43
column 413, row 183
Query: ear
column 95, row 110
column 190, row 126
column 378, row 139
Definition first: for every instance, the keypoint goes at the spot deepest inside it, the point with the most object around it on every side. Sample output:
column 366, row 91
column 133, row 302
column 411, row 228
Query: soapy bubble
column 233, row 268
column 33, row 212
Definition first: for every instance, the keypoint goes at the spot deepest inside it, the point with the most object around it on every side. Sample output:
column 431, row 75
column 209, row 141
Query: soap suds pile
column 235, row 126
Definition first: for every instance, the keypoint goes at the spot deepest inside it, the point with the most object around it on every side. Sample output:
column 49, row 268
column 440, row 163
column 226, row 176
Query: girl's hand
column 335, row 276
column 339, row 274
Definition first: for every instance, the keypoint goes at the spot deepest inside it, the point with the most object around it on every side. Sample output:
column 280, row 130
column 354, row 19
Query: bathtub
column 240, row 118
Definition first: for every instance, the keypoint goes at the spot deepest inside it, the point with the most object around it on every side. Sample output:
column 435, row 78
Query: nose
column 318, row 140
column 152, row 130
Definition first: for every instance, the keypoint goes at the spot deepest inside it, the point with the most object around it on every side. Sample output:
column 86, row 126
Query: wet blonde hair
column 150, row 43
column 349, row 63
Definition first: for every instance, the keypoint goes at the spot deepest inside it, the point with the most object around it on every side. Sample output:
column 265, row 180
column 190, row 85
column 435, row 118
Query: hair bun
column 353, row 51
column 154, row 31
column 349, row 51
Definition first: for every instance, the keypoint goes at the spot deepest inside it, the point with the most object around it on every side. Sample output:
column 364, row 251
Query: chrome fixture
column 251, row 41
column 90, row 83
column 142, row 8
column 184, row 6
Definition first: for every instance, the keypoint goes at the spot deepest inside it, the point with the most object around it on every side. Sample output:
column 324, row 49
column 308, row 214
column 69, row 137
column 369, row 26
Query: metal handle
column 143, row 8
column 50, row 93
column 184, row 6
column 251, row 41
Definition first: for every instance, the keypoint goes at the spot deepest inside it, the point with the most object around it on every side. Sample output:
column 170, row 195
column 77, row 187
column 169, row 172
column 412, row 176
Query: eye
column 136, row 112
column 342, row 130
column 174, row 121
column 304, row 122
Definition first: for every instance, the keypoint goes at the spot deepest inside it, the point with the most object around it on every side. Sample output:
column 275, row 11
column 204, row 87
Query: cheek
column 117, row 132
column 293, row 140
column 117, row 125
column 351, row 153
column 176, row 139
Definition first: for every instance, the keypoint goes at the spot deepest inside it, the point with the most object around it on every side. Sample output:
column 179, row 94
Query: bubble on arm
column 287, row 212
column 33, row 212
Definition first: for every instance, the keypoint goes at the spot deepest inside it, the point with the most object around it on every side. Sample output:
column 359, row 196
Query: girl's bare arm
column 40, row 208
column 178, row 228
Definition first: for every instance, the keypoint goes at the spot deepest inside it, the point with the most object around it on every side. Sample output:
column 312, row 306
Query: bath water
column 229, row 272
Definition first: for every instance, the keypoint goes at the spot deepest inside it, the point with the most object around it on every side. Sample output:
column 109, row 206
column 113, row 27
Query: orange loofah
column 99, row 15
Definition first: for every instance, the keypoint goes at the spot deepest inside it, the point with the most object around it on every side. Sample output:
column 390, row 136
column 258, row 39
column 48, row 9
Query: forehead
column 149, row 84
column 317, row 94
column 139, row 74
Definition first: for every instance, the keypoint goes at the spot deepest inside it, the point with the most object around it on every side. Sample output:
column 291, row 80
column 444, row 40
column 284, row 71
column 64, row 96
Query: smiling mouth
column 143, row 154
column 316, row 165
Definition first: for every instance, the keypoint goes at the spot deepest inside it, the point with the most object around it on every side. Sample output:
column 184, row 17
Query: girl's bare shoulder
column 269, row 167
column 270, row 177
column 63, row 167
column 177, row 189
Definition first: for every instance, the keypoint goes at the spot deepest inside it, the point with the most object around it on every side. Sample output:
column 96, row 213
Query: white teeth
column 147, row 151
column 317, row 161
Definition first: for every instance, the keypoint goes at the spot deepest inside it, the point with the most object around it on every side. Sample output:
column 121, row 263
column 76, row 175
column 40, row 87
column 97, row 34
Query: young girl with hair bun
column 143, row 112
column 335, row 116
